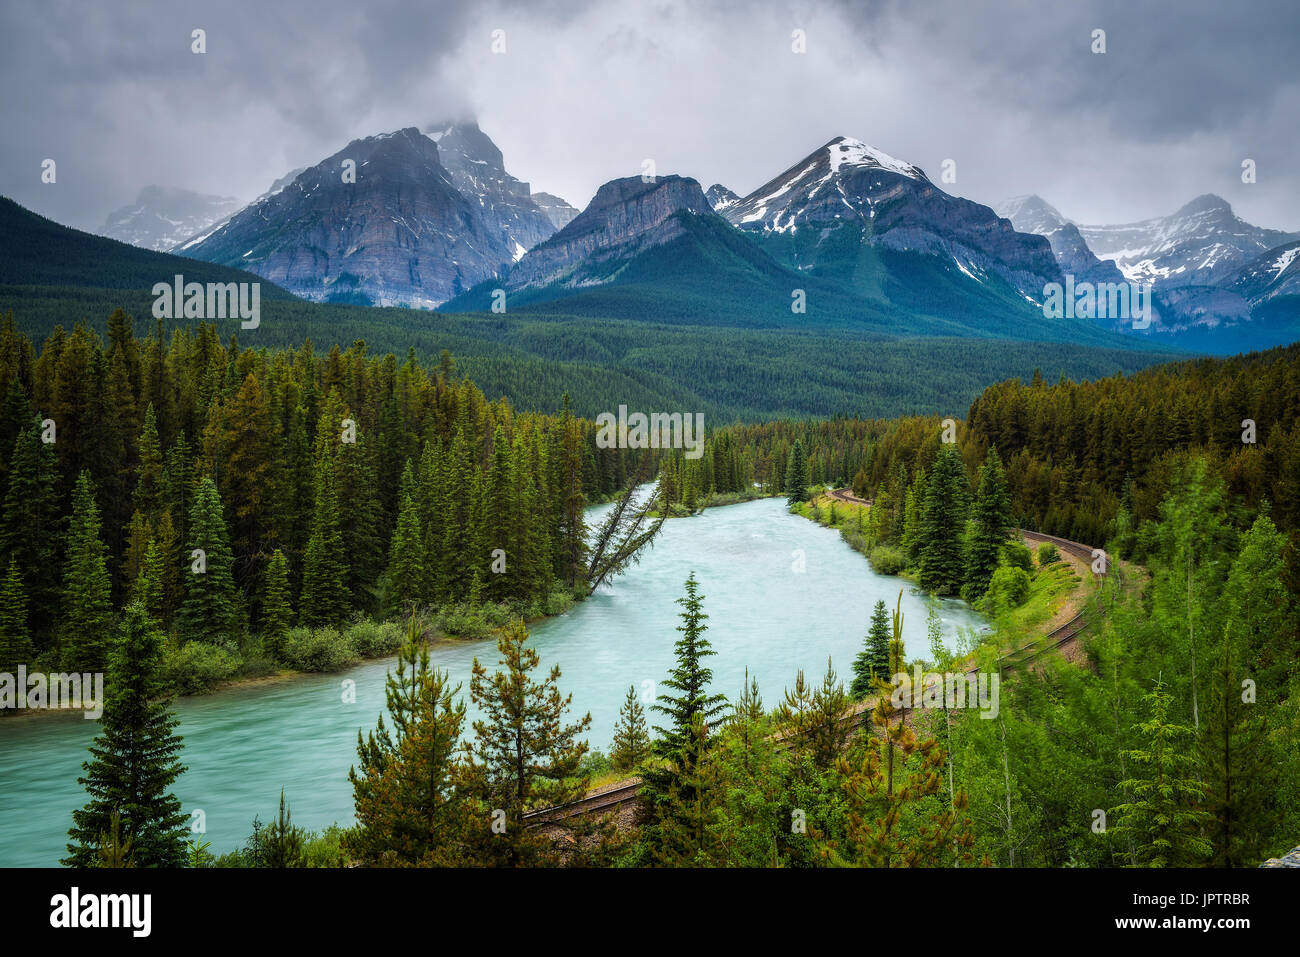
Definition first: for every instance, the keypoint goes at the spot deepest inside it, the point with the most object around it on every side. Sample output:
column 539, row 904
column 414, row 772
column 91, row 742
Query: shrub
column 1008, row 589
column 1047, row 554
column 1017, row 555
column 317, row 649
column 886, row 560
column 463, row 621
column 197, row 666
column 374, row 639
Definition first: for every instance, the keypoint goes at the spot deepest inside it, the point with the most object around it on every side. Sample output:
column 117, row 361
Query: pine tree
column 796, row 476
column 671, row 800
column 281, row 841
column 15, row 640
column 30, row 525
column 1164, row 818
column 815, row 720
column 872, row 662
column 524, row 755
column 690, row 679
column 942, row 568
column 277, row 611
column 210, row 611
column 147, row 589
column 631, row 736
column 87, row 623
column 405, row 580
column 135, row 759
column 324, row 588
column 892, row 817
column 991, row 518
column 410, row 810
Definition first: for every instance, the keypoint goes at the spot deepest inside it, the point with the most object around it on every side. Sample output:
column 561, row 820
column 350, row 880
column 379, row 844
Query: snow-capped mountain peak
column 846, row 151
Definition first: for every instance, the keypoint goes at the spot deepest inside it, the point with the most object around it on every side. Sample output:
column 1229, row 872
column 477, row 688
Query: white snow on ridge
column 850, row 152
column 1280, row 264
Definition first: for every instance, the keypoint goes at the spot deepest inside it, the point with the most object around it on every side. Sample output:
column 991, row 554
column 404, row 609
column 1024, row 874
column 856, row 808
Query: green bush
column 374, row 639
column 197, row 667
column 464, row 621
column 1008, row 589
column 886, row 560
column 317, row 649
column 1047, row 554
column 1017, row 555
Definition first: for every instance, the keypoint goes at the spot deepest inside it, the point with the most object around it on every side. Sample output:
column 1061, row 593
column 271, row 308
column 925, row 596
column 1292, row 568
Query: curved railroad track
column 628, row 792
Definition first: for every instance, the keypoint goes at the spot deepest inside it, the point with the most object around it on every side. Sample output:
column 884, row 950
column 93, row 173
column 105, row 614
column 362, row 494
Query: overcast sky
column 1010, row 91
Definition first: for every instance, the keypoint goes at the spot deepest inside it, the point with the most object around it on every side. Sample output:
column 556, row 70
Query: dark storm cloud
column 1010, row 91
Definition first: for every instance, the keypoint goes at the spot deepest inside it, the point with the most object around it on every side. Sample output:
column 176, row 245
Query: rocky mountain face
column 1032, row 214
column 1203, row 243
column 557, row 210
column 506, row 204
column 891, row 204
column 720, row 197
column 161, row 217
column 625, row 217
column 411, row 230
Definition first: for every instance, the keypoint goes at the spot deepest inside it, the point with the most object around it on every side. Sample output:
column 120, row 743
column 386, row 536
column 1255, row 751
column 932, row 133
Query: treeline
column 1092, row 461
column 236, row 491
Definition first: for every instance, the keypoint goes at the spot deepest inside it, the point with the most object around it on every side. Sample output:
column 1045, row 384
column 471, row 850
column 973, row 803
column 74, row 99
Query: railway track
column 628, row 792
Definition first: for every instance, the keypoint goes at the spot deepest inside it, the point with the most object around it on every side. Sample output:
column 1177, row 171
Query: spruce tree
column 991, row 518
column 796, row 476
column 631, row 737
column 872, row 662
column 324, row 587
column 404, row 583
column 1165, row 818
column 689, row 679
column 15, row 640
column 87, row 624
column 210, row 611
column 30, row 526
column 277, row 611
column 943, row 525
column 135, row 759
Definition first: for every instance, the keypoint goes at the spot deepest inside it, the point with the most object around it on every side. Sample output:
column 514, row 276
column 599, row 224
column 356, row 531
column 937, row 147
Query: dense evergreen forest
column 730, row 374
column 241, row 493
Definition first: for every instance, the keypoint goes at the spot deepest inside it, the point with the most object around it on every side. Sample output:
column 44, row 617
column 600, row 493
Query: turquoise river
column 782, row 594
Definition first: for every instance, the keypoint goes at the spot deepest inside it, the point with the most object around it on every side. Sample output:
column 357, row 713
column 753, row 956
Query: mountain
column 1032, row 214
column 410, row 230
column 39, row 252
column 847, row 198
column 559, row 212
column 162, row 217
column 646, row 249
column 478, row 170
column 720, row 197
column 1203, row 243
column 656, row 251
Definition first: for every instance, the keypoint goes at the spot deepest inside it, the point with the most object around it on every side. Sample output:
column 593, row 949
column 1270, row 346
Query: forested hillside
column 237, row 492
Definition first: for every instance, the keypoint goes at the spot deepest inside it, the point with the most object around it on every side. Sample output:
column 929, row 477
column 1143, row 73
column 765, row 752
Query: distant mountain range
column 1218, row 280
column 162, row 218
column 434, row 220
